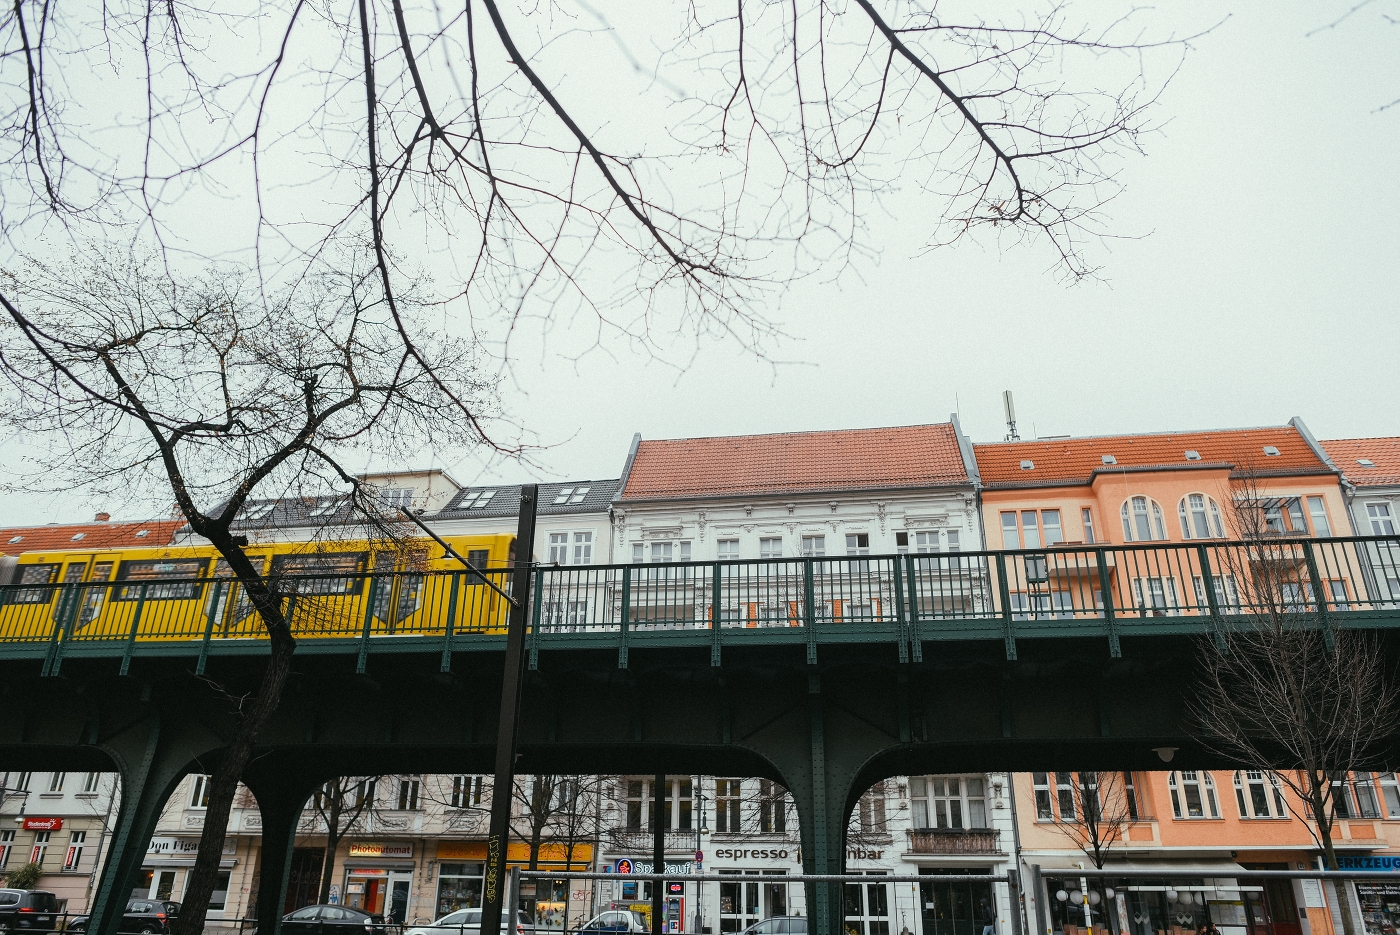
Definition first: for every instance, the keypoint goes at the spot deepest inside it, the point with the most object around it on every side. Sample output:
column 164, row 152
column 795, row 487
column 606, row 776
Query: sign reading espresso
column 375, row 849
column 43, row 824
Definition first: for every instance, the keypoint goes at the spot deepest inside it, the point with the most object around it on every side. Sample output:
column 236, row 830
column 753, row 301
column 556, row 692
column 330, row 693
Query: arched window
column 1258, row 794
column 1193, row 794
column 1142, row 520
column 1200, row 517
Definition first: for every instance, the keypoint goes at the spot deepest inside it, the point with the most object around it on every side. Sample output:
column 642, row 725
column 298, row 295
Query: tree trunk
column 1343, row 895
column 223, row 782
column 332, row 842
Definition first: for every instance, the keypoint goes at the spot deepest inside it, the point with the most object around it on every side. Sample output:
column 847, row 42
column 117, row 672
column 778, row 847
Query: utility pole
column 658, row 854
column 497, row 842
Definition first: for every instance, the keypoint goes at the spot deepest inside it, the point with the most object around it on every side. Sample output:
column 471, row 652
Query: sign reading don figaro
column 377, row 849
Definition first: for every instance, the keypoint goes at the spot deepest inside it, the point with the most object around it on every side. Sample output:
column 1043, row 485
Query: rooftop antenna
column 1011, row 435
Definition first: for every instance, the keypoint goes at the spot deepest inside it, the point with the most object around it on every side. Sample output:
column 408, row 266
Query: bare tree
column 1104, row 807
column 338, row 807
column 208, row 391
column 1279, row 687
column 554, row 808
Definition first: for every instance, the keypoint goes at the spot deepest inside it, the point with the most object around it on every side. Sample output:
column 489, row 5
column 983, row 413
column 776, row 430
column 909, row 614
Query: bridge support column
column 821, row 799
column 280, row 805
column 149, row 771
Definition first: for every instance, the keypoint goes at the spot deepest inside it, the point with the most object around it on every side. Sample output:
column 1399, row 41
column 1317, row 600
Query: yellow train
column 332, row 589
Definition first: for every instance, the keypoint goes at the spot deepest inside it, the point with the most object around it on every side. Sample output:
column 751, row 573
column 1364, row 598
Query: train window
column 160, row 570
column 478, row 558
column 336, row 572
column 34, row 574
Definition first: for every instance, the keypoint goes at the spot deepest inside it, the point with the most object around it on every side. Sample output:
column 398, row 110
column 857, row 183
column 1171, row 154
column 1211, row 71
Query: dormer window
column 142, row 533
column 324, row 507
column 258, row 510
column 1366, row 462
column 14, row 539
column 475, row 500
column 571, row 495
column 1109, row 459
column 1192, row 454
column 1271, row 451
column 81, row 535
column 1027, row 464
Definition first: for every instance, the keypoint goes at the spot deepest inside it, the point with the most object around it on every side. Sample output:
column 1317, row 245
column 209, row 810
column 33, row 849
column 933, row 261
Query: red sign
column 43, row 824
column 624, row 866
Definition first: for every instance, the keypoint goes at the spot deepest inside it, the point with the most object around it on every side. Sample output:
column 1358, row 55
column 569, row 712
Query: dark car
column 332, row 920
column 778, row 925
column 146, row 916
column 27, row 910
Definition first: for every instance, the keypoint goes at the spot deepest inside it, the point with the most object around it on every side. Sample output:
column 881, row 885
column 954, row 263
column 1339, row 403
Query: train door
column 94, row 569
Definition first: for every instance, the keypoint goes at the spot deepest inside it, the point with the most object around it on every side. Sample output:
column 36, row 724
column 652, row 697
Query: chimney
column 103, row 517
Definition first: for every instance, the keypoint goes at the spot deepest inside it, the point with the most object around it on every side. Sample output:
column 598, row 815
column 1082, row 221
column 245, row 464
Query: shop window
column 728, row 793
column 1142, row 520
column 1040, row 784
column 1193, row 794
column 1200, row 517
column 867, row 907
column 952, row 907
column 1259, row 795
column 459, row 887
column 949, row 801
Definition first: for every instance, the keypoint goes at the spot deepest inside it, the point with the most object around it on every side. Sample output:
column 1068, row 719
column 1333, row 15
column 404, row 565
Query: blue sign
column 1387, row 864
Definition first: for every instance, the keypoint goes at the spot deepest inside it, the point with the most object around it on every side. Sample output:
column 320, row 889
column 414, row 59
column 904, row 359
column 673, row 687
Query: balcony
column 955, row 841
column 640, row 842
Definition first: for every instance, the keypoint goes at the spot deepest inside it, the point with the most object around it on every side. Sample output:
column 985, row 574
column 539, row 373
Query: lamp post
column 701, row 828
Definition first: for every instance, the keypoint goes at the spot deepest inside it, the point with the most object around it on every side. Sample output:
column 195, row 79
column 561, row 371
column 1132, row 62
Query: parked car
column 778, row 925
column 468, row 922
column 626, row 921
column 332, row 920
column 146, row 916
column 27, row 910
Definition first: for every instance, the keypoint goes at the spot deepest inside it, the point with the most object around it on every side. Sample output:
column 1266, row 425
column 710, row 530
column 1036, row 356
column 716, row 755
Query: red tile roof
column 904, row 457
column 1074, row 460
column 1384, row 453
column 94, row 536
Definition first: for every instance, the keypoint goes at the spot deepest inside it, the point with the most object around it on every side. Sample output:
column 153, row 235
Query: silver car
column 468, row 922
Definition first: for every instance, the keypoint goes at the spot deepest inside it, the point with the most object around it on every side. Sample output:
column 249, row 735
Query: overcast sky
column 1261, row 286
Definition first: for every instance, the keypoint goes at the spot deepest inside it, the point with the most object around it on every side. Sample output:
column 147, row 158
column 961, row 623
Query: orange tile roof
column 903, row 457
column 57, row 536
column 1384, row 453
column 1075, row 460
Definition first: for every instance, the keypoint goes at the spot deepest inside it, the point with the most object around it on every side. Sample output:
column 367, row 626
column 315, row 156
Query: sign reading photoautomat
column 377, row 849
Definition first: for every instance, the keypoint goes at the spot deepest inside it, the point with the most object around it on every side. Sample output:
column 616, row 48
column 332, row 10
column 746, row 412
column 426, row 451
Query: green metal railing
column 1110, row 590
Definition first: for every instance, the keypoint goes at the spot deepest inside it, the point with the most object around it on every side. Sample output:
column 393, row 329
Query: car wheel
column 148, row 929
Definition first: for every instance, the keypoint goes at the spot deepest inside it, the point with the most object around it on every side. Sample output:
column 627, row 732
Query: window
column 90, row 782
column 729, row 549
column 571, row 495
column 1054, row 605
column 872, row 810
column 1109, row 459
column 770, row 547
column 1280, row 516
column 1010, row 534
column 1318, row 511
column 813, row 546
column 408, row 795
column 1390, row 793
column 40, row 850
column 772, row 807
column 475, row 499
column 1089, row 799
column 219, row 897
column 1086, row 516
column 1027, row 464
column 1155, row 596
column 1192, row 454
column 1142, row 520
column 1366, row 802
column 858, row 544
column 7, row 846
column 77, row 536
column 1270, row 451
column 1064, row 795
column 466, row 792
column 559, row 548
column 1227, row 594
column 1050, row 523
column 1342, row 804
column 75, row 850
column 1030, row 530
column 1130, row 797
column 56, row 781
column 366, row 792
column 638, row 816
column 1382, row 522
column 1040, row 783
column 199, row 793
column 389, row 498
column 949, row 801
column 901, row 543
column 682, row 793
column 252, row 511
column 21, row 783
column 1258, row 794
column 35, row 574
column 1200, row 517
column 1193, row 794
column 479, row 558
column 660, row 552
column 140, row 572
column 567, row 548
column 727, row 795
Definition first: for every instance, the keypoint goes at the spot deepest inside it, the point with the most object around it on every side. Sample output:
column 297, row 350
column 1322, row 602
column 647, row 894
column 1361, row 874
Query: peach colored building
column 1198, row 828
column 1178, row 490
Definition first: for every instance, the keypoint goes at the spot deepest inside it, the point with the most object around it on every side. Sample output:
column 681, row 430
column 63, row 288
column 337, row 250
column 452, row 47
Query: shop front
column 379, row 879
column 953, row 907
column 165, row 871
column 462, row 866
column 1380, row 907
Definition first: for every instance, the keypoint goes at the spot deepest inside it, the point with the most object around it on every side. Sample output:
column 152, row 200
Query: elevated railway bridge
column 823, row 674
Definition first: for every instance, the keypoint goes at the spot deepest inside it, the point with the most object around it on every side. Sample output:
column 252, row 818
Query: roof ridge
column 875, row 428
column 1073, row 438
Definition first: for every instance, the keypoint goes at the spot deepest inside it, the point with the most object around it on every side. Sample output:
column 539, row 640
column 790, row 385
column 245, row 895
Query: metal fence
column 1044, row 592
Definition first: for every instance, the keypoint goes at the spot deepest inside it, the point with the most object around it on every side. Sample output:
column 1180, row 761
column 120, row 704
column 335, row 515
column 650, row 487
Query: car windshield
column 640, row 920
column 303, row 915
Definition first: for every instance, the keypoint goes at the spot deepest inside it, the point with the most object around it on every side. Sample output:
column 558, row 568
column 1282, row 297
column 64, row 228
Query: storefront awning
column 226, row 864
column 1191, row 867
